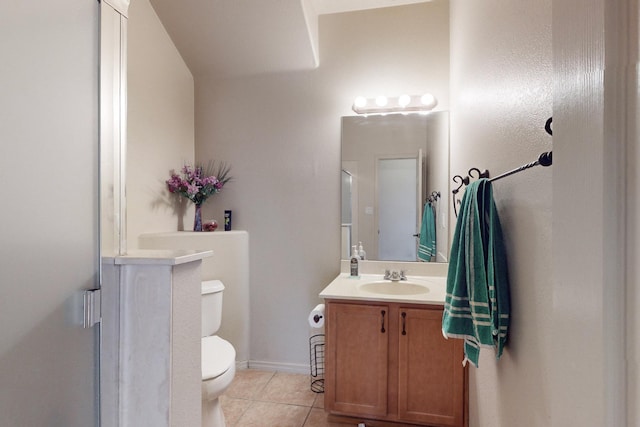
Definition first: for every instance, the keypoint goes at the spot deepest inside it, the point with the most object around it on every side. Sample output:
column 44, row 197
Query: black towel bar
column 545, row 159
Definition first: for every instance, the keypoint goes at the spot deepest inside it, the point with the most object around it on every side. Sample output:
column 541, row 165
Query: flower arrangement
column 197, row 183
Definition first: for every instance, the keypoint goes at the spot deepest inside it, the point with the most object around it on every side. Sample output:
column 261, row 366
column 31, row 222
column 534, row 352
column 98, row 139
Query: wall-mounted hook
column 462, row 182
column 483, row 174
column 547, row 126
column 433, row 197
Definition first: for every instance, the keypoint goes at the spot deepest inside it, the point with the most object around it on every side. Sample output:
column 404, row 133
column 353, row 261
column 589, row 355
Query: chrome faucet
column 394, row 275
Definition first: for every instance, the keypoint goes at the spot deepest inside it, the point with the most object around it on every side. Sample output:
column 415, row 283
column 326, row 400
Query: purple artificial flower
column 209, row 180
column 174, row 182
column 196, row 183
column 192, row 189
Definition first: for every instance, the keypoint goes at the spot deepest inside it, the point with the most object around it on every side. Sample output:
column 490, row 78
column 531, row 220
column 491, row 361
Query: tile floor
column 273, row 399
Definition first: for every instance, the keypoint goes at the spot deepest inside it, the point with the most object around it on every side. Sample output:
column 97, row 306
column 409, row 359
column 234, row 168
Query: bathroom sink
column 387, row 287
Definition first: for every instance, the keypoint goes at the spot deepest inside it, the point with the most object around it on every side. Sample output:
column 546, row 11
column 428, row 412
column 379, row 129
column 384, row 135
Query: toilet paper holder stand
column 316, row 359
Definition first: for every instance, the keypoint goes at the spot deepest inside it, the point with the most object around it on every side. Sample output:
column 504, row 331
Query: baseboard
column 292, row 368
column 244, row 364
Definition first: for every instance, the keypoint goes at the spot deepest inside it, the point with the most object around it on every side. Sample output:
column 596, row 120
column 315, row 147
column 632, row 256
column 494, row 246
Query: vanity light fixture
column 404, row 100
column 401, row 104
column 360, row 102
column 381, row 101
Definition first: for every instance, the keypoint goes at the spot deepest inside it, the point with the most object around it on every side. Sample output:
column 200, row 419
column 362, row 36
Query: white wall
column 49, row 216
column 160, row 125
column 281, row 133
column 501, row 95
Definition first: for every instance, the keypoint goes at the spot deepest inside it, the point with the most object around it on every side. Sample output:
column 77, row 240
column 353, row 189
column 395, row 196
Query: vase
column 197, row 221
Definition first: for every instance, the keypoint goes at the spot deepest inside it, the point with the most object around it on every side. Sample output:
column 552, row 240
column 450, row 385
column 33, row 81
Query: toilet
column 218, row 355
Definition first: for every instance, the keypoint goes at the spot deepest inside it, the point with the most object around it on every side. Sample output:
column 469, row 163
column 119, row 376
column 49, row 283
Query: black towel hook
column 483, row 174
column 547, row 126
column 462, row 182
column 433, row 197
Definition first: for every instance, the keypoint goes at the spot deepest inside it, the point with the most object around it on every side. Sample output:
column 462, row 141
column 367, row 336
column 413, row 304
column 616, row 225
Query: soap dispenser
column 355, row 259
column 361, row 253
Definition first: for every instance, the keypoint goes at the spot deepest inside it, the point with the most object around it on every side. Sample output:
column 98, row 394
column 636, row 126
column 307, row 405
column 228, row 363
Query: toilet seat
column 218, row 356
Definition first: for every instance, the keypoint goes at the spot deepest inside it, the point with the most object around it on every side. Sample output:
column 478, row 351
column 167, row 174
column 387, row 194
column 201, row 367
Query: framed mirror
column 395, row 186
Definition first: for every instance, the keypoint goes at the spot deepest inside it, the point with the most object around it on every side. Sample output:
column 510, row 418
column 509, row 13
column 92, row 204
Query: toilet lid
column 211, row 286
column 217, row 357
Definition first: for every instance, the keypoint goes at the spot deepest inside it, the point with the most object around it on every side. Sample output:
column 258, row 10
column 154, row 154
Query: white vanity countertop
column 345, row 287
column 159, row 257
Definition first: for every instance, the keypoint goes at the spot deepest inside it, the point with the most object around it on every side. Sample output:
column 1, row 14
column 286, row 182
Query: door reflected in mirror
column 398, row 196
column 392, row 167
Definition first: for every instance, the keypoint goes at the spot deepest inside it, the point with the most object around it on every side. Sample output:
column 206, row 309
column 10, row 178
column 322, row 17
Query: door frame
column 595, row 50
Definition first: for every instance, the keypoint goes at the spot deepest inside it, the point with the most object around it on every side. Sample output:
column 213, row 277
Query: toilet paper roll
column 316, row 317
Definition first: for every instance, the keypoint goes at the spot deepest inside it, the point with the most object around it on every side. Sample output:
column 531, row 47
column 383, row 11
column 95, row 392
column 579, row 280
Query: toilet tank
column 211, row 306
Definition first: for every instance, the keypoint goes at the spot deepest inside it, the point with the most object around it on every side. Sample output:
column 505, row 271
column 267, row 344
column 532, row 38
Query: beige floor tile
column 248, row 383
column 233, row 409
column 263, row 414
column 318, row 418
column 319, row 402
column 293, row 389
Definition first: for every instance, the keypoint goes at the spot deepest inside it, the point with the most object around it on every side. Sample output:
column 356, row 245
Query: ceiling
column 229, row 38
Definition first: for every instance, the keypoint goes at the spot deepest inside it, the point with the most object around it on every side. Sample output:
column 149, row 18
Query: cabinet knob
column 382, row 312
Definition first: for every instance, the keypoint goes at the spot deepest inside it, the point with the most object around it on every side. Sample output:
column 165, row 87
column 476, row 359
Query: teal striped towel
column 427, row 243
column 477, row 301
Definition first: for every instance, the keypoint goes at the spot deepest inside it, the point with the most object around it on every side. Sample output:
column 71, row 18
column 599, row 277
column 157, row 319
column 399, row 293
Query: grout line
column 259, row 391
column 307, row 417
column 256, row 397
column 238, row 421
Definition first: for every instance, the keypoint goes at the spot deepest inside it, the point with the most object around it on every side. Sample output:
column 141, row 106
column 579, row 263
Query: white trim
column 242, row 364
column 113, row 129
column 311, row 21
column 590, row 55
column 292, row 368
column 632, row 226
column 122, row 6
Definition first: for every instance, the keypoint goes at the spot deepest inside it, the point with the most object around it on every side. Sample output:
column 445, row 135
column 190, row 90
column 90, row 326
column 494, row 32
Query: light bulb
column 360, row 102
column 428, row 99
column 404, row 100
column 381, row 101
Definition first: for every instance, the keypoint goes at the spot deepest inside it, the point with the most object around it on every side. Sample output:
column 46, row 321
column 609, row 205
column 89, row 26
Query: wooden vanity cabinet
column 431, row 378
column 357, row 338
column 390, row 362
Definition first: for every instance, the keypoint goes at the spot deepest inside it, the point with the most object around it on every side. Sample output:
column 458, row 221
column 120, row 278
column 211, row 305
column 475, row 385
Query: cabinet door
column 431, row 375
column 356, row 359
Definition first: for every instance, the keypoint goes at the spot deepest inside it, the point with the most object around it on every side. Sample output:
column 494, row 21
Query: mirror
column 394, row 168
